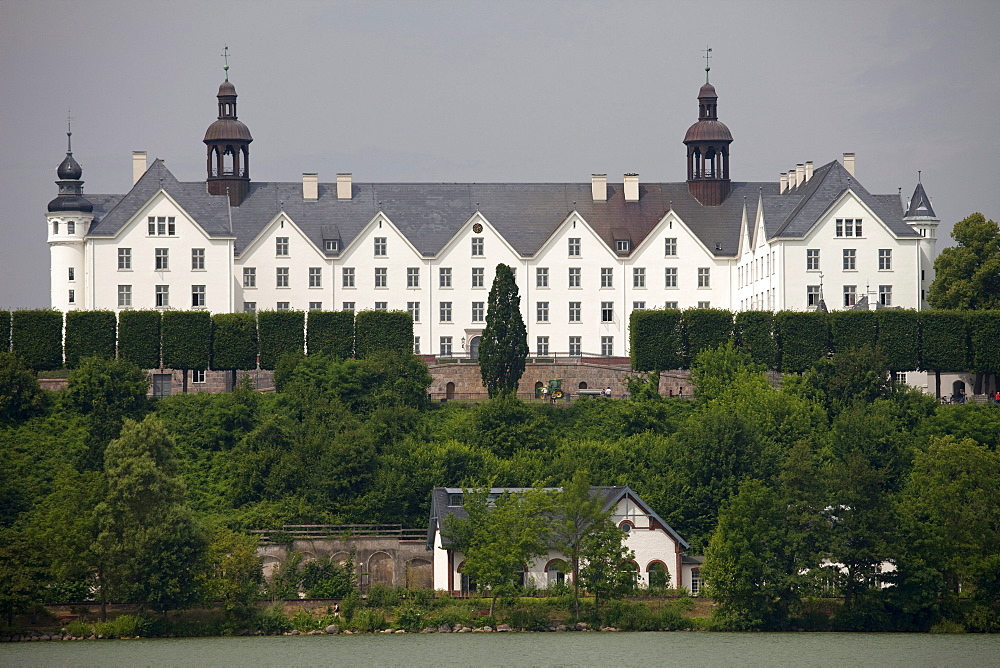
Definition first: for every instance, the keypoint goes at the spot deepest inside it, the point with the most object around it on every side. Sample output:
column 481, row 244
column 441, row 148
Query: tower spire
column 225, row 56
column 69, row 133
column 708, row 54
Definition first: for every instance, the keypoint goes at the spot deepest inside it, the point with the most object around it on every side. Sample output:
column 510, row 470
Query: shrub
column 754, row 333
column 234, row 341
column 672, row 618
column 899, row 338
column 90, row 334
column 139, row 338
column 631, row 616
column 409, row 619
column 706, row 329
column 803, row 338
column 349, row 604
column 303, row 620
column 36, row 337
column 186, row 337
column 331, row 333
column 452, row 614
column 79, row 629
column 381, row 596
column 369, row 620
column 126, row 626
column 4, row 331
column 528, row 618
column 853, row 329
column 273, row 620
column 281, row 333
column 944, row 341
column 378, row 331
column 655, row 339
column 947, row 626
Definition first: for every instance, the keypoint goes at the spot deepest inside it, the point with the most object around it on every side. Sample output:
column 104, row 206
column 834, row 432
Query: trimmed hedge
column 4, row 331
column 706, row 329
column 281, row 333
column 853, row 329
column 803, row 338
column 944, row 341
column 331, row 333
column 376, row 331
column 655, row 339
column 984, row 330
column 754, row 334
column 234, row 341
column 186, row 337
column 37, row 336
column 899, row 338
column 90, row 334
column 139, row 338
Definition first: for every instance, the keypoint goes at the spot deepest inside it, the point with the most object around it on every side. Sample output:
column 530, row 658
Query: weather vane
column 225, row 55
column 708, row 54
column 69, row 132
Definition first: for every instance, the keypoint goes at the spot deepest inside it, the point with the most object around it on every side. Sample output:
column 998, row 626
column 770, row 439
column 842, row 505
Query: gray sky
column 492, row 91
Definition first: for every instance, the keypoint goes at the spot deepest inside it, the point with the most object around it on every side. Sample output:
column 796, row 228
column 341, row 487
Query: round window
column 477, row 228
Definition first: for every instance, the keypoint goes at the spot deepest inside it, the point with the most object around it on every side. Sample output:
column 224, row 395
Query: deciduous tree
column 967, row 275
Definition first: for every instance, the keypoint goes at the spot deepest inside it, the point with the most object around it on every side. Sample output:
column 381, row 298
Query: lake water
column 522, row 649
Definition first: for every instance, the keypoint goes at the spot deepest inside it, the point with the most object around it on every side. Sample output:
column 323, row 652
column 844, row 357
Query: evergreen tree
column 504, row 344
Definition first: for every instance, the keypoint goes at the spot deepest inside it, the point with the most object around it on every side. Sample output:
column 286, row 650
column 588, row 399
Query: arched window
column 657, row 575
column 449, row 391
column 555, row 572
column 583, row 385
column 468, row 586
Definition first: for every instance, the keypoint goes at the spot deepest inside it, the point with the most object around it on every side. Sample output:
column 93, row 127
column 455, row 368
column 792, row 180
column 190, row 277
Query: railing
column 317, row 531
column 549, row 358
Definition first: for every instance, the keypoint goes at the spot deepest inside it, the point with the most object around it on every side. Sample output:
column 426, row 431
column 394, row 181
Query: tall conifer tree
column 504, row 345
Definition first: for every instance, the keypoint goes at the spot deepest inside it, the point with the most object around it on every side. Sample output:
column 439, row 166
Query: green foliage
column 410, row 619
column 803, row 338
column 967, row 275
column 20, row 396
column 273, row 620
column 382, row 596
column 234, row 341
column 706, row 329
column 608, row 572
column 326, row 578
column 382, row 331
column 632, row 616
column 235, row 578
column 850, row 376
column 36, row 337
column 187, row 339
column 944, row 341
column 528, row 618
column 281, row 333
column 656, row 340
column 714, row 370
column 853, row 329
column 754, row 333
column 369, row 620
column 984, row 330
column 332, row 334
column 139, row 338
column 899, row 338
column 505, row 425
column 504, row 344
column 123, row 626
column 4, row 331
column 90, row 334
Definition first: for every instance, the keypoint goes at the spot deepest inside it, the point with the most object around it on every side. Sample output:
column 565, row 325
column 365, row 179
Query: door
column 474, row 347
column 161, row 384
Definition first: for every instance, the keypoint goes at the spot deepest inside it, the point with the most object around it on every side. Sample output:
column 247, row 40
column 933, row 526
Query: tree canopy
column 967, row 275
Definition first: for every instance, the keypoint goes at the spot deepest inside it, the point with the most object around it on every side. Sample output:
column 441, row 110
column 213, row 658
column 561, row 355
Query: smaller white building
column 657, row 547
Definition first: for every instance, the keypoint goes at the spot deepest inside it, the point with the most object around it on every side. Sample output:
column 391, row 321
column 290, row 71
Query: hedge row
column 791, row 341
column 198, row 340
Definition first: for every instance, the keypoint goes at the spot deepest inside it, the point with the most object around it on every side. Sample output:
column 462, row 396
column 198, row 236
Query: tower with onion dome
column 228, row 141
column 707, row 144
column 69, row 217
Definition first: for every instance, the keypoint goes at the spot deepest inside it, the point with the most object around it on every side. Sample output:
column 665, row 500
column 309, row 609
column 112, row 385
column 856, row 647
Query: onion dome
column 70, row 196
column 69, row 168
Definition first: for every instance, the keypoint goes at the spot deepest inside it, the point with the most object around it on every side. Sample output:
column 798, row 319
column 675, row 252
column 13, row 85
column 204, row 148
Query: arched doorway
column 538, row 389
column 449, row 391
column 583, row 385
column 555, row 572
column 419, row 574
column 657, row 575
column 474, row 347
column 381, row 569
column 958, row 391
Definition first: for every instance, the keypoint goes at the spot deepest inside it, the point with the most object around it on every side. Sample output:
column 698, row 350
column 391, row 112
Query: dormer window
column 623, row 245
column 332, row 245
column 457, row 499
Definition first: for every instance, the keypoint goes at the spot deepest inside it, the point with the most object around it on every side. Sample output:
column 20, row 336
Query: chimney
column 783, row 183
column 310, row 186
column 631, row 187
column 343, row 186
column 809, row 170
column 599, row 187
column 849, row 163
column 792, row 179
column 800, row 174
column 138, row 165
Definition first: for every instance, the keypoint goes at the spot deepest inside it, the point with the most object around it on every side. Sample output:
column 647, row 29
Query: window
column 72, row 297
column 249, row 307
column 622, row 245
column 70, row 227
column 541, row 277
column 445, row 311
column 670, row 275
column 607, row 311
column 162, row 296
column 638, row 306
column 55, row 227
column 477, row 247
column 347, row 277
column 850, row 295
column 445, row 346
column 381, row 306
column 574, row 277
column 249, row 277
column 542, row 345
column 197, row 259
column 574, row 247
column 704, row 305
column 315, row 277
column 885, row 295
column 444, row 277
column 638, row 277
column 197, row 296
column 542, row 311
column 478, row 311
column 848, row 227
column 607, row 277
column 315, row 306
column 478, row 277
column 72, row 274
column 900, row 377
column 332, row 245
column 885, row 259
column 704, row 277
column 575, row 346
column 669, row 304
column 124, row 296
column 574, row 311
column 381, row 277
column 348, row 306
column 850, row 258
column 281, row 246
column 281, row 277
column 812, row 296
column 416, row 345
column 198, row 376
column 162, row 259
column 413, row 308
column 695, row 581
column 380, row 247
column 124, row 258
column 161, row 226
column 812, row 259
column 282, row 306
column 607, row 346
column 670, row 247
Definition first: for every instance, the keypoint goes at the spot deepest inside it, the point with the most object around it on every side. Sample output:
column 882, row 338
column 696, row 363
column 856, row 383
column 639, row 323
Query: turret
column 707, row 144
column 228, row 141
column 921, row 217
column 68, row 219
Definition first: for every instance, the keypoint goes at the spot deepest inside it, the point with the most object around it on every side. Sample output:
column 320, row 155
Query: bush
column 369, row 620
column 409, row 619
column 273, row 620
column 382, row 331
column 36, row 337
column 349, row 604
column 381, row 596
column 331, row 333
column 186, row 338
column 452, row 614
column 79, row 629
column 672, row 617
column 853, row 329
column 90, row 334
column 4, row 331
column 281, row 333
column 528, row 618
column 234, row 341
column 655, row 339
column 631, row 616
column 754, row 333
column 944, row 341
column 947, row 626
column 899, row 338
column 706, row 329
column 303, row 620
column 126, row 626
column 139, row 338
column 802, row 337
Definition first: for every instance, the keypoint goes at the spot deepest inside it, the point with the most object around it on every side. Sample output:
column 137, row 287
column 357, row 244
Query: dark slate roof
column 920, row 204
column 794, row 213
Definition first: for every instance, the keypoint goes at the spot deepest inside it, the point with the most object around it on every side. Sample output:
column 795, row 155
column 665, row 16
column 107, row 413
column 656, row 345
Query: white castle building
column 585, row 254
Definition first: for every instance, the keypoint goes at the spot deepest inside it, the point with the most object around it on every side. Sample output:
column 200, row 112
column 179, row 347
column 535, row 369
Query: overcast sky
column 492, row 91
